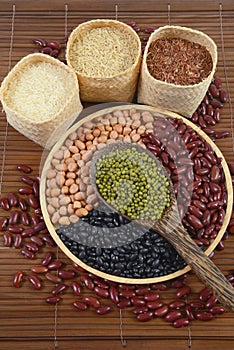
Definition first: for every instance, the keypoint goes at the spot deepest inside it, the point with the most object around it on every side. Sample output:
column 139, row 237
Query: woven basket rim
column 188, row 30
column 108, row 22
column 39, row 57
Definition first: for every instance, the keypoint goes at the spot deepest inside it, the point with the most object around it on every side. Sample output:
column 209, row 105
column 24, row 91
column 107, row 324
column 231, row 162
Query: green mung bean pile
column 132, row 183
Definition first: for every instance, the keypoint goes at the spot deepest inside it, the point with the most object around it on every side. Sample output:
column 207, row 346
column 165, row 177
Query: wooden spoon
column 171, row 228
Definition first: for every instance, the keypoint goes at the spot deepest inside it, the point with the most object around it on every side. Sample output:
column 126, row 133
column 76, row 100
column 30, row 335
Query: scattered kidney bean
column 122, row 304
column 204, row 316
column 87, row 281
column 37, row 240
column 27, row 253
column 127, row 293
column 39, row 269
column 32, row 201
column 59, row 289
column 173, row 316
column 54, row 265
column 3, row 223
column 176, row 304
column 185, row 290
column 217, row 310
column 47, row 259
column 27, row 180
column 103, row 293
column 152, row 296
column 80, row 305
column 153, row 305
column 18, row 240
column 24, row 168
column 39, row 226
column 24, row 218
column 92, row 301
column 12, row 199
column 137, row 301
column 35, row 281
column 53, row 300
column 5, row 204
column 102, row 310
column 7, row 239
column 114, row 296
column 31, row 246
column 146, row 316
column 162, row 311
column 25, row 190
column 76, row 288
column 140, row 310
column 28, row 232
column 204, row 294
column 23, row 204
column 18, row 279
column 53, row 278
column 181, row 322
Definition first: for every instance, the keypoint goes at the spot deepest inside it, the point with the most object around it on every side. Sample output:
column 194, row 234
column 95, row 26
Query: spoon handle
column 203, row 267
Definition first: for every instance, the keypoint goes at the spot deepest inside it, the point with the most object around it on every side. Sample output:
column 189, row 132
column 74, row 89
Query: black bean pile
column 145, row 255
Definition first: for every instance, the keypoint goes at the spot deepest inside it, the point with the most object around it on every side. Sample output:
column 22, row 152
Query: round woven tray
column 162, row 113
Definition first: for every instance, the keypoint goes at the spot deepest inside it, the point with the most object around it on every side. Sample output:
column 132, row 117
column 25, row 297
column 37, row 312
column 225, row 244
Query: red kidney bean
column 222, row 134
column 25, row 190
column 162, row 311
column 28, row 232
column 24, row 168
column 201, row 122
column 204, row 316
column 91, row 301
column 54, row 53
column 48, row 240
column 36, row 188
column 7, row 239
column 103, row 293
column 15, row 229
column 3, row 223
column 23, row 204
column 173, row 316
column 76, row 288
column 122, row 304
column 47, row 259
column 39, row 226
column 114, row 296
column 102, row 310
column 146, row 316
column 27, row 253
column 197, row 305
column 200, row 205
column 223, row 96
column 230, row 277
column 210, row 110
column 154, row 304
column 126, row 287
column 39, row 269
column 100, row 283
column 12, row 199
column 194, row 221
column 196, row 211
column 53, row 300
column 24, row 218
column 215, row 205
column 5, row 204
column 54, row 265
column 181, row 322
column 204, row 294
column 206, row 218
column 216, row 104
column 17, row 241
column 38, row 211
column 33, row 202
column 152, row 296
column 220, row 246
column 189, row 313
column 31, row 246
column 87, row 282
column 37, row 240
column 215, row 174
column 213, row 89
column 40, row 42
column 137, row 301
column 185, row 290
column 18, row 279
column 217, row 310
column 80, row 305
column 217, row 115
column 217, row 82
column 59, row 289
column 127, row 293
column 54, row 45
column 35, row 281
column 158, row 286
column 66, row 274
column 46, row 50
column 35, row 219
column 142, row 290
column 211, row 302
column 140, row 310
column 27, row 180
column 53, row 278
column 177, row 284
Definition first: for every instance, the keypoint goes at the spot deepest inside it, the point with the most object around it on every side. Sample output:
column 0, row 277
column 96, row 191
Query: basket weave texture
column 41, row 131
column 176, row 98
column 119, row 87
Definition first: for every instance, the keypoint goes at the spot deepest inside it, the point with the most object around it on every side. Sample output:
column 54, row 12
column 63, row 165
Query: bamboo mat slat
column 26, row 321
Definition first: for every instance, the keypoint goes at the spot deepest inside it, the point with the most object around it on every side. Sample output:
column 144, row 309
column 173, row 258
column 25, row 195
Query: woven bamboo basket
column 36, row 130
column 177, row 98
column 118, row 87
column 94, row 115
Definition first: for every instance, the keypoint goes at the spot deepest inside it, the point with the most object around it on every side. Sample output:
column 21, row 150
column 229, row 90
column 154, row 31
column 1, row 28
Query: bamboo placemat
column 26, row 321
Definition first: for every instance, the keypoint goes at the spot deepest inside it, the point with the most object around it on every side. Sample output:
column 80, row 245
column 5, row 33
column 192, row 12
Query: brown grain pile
column 178, row 61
